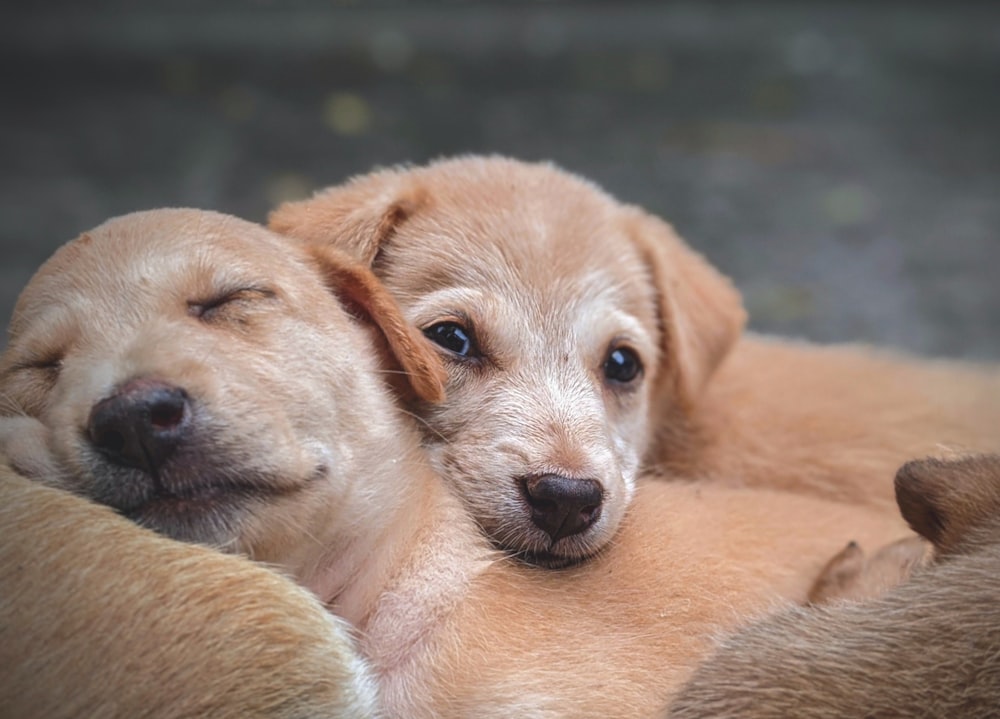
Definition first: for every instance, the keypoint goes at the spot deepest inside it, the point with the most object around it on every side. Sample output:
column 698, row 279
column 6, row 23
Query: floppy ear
column 944, row 499
column 358, row 217
column 701, row 312
column 363, row 295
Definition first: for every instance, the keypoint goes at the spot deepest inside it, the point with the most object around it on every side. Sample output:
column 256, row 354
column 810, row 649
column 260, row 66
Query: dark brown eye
column 232, row 301
column 453, row 337
column 622, row 365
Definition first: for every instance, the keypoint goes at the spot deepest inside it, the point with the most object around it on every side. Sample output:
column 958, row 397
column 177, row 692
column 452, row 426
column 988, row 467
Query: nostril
column 167, row 411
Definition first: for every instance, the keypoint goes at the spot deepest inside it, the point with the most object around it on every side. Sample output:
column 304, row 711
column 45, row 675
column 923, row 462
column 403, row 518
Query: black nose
column 562, row 506
column 141, row 424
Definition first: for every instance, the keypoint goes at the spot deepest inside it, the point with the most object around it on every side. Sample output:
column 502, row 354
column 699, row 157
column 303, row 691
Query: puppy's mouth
column 192, row 501
column 551, row 560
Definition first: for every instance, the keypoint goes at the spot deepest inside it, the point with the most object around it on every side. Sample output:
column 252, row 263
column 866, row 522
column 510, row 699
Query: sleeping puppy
column 218, row 384
column 930, row 647
column 192, row 372
column 582, row 337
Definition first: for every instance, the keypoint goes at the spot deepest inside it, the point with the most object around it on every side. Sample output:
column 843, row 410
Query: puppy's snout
column 563, row 506
column 141, row 424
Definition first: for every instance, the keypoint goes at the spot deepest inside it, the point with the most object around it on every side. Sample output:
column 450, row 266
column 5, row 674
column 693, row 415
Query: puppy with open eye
column 222, row 385
column 584, row 340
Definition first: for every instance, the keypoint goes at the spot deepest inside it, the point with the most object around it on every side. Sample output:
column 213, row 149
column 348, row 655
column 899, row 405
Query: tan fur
column 99, row 618
column 854, row 575
column 547, row 270
column 930, row 647
column 449, row 627
column 549, row 274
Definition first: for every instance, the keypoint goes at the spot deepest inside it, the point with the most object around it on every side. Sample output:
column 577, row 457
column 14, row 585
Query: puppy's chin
column 191, row 502
column 216, row 517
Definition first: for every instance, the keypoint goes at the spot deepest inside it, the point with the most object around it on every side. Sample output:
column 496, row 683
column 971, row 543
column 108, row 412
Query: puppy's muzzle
column 563, row 506
column 141, row 424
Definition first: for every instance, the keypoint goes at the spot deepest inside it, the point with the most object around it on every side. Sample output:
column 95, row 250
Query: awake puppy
column 585, row 340
column 199, row 375
column 930, row 647
column 564, row 318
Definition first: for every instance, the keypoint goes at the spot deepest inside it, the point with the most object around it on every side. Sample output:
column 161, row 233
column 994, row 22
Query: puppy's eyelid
column 46, row 362
column 201, row 308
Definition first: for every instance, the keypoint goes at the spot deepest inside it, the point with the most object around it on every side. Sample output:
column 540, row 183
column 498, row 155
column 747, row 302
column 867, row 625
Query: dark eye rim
column 203, row 309
column 53, row 362
column 632, row 381
column 475, row 355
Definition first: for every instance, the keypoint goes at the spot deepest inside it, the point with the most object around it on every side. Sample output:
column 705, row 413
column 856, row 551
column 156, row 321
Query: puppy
column 930, row 647
column 564, row 319
column 582, row 336
column 221, row 385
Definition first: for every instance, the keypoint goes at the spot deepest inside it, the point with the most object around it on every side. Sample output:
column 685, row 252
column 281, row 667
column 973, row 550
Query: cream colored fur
column 548, row 272
column 290, row 388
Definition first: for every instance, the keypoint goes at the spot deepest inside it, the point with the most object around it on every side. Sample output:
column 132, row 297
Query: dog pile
column 472, row 439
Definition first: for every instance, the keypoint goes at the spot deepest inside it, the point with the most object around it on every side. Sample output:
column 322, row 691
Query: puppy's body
column 833, row 421
column 279, row 374
column 544, row 273
column 99, row 618
column 930, row 647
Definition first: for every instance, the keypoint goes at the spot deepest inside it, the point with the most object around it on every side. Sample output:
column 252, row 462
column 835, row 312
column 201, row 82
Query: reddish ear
column 946, row 499
column 701, row 312
column 363, row 295
column 358, row 217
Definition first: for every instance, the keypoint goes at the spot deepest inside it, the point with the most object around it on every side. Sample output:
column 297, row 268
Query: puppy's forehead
column 132, row 261
column 528, row 224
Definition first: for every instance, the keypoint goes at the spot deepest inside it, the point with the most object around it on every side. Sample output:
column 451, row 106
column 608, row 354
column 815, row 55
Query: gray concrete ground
column 840, row 160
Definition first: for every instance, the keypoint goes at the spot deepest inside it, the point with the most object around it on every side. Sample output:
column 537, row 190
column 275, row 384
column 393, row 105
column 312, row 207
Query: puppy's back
column 930, row 647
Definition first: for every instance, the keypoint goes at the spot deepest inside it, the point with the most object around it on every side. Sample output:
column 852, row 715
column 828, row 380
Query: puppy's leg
column 101, row 618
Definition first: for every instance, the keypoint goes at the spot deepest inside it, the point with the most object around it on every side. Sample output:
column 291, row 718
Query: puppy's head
column 565, row 320
column 954, row 503
column 197, row 373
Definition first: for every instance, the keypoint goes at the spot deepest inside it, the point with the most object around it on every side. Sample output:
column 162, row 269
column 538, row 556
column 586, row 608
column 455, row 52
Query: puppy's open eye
column 453, row 337
column 622, row 365
column 232, row 301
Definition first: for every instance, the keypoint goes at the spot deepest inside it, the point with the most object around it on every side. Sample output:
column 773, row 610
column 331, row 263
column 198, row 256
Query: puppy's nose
column 562, row 506
column 141, row 424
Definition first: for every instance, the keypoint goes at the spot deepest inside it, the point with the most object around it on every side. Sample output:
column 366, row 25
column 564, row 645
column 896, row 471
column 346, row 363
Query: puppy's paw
column 853, row 576
column 24, row 445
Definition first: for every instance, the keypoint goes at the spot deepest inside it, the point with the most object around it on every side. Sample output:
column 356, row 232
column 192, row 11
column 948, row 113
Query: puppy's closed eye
column 230, row 305
column 27, row 382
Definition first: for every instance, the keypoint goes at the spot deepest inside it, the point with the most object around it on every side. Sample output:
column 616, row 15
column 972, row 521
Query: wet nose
column 563, row 506
column 141, row 424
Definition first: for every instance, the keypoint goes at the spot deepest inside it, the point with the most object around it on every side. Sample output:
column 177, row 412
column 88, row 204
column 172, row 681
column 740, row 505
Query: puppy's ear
column 358, row 217
column 946, row 499
column 363, row 295
column 701, row 312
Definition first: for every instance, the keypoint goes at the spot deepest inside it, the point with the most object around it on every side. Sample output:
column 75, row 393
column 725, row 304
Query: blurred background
column 841, row 161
